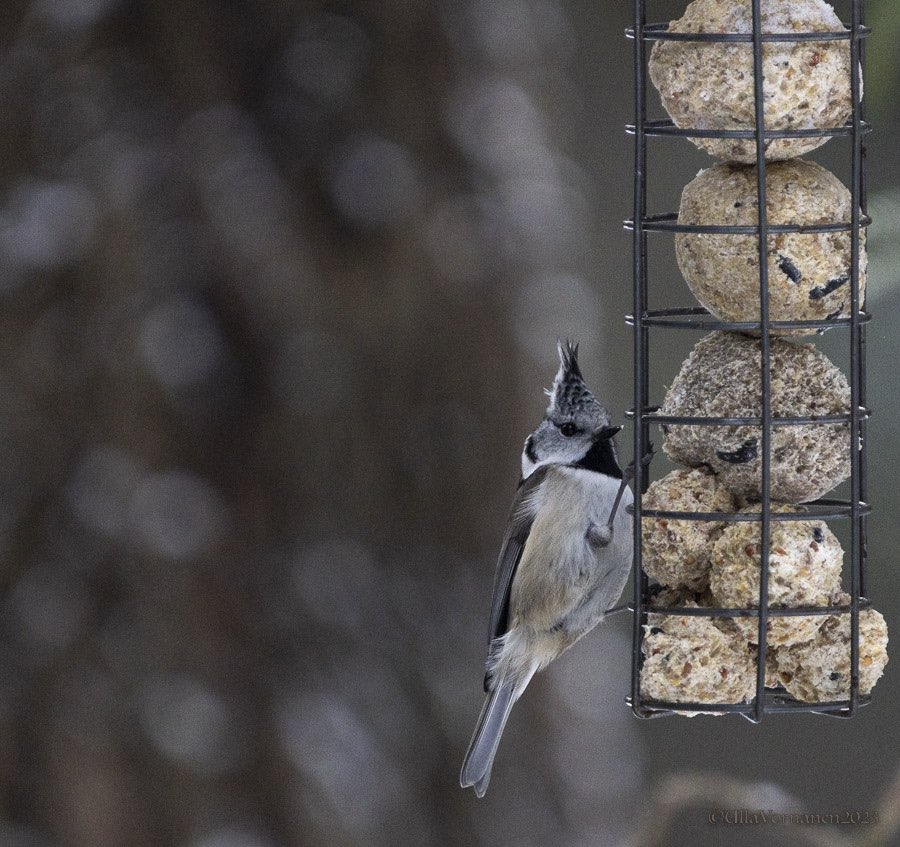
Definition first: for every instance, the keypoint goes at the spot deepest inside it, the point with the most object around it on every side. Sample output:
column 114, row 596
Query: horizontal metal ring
column 695, row 317
column 772, row 704
column 661, row 32
column 822, row 510
column 668, row 128
column 668, row 222
column 800, row 611
column 652, row 416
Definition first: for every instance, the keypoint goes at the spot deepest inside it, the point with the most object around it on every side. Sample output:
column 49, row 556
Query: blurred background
column 279, row 289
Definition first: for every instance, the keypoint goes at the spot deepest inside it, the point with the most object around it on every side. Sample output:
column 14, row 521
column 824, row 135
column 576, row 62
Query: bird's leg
column 627, row 476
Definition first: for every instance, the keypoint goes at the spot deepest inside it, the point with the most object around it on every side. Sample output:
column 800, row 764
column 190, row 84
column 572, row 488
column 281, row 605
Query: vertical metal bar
column 765, row 362
column 863, row 424
column 641, row 383
column 860, row 8
column 855, row 359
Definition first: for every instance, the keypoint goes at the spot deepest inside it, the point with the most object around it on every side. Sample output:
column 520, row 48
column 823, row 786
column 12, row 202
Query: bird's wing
column 517, row 531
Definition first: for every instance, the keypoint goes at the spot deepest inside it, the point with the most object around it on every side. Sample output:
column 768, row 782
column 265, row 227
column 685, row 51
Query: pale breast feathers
column 558, row 561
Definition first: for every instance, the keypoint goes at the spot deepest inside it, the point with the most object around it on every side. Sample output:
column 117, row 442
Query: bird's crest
column 569, row 394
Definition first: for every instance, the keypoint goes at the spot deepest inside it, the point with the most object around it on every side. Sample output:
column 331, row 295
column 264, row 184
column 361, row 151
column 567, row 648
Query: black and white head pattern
column 574, row 421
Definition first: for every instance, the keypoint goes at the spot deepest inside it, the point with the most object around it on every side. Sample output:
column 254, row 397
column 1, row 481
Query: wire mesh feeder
column 643, row 320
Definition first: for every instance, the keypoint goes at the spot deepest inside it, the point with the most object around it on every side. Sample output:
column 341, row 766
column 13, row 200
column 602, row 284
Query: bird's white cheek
column 527, row 466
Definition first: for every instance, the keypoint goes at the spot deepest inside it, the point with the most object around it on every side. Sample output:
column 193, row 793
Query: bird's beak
column 607, row 432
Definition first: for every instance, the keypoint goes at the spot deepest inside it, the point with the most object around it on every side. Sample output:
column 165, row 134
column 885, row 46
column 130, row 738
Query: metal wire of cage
column 855, row 509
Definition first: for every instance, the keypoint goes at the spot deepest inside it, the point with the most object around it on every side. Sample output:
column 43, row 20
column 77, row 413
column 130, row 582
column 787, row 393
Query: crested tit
column 565, row 557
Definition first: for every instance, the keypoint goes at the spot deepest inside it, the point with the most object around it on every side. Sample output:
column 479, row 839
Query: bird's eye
column 568, row 429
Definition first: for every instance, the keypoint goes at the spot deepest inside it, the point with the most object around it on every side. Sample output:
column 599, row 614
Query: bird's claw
column 645, row 462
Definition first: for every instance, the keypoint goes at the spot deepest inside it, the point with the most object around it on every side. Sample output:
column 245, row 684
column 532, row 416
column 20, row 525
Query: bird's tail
column 476, row 769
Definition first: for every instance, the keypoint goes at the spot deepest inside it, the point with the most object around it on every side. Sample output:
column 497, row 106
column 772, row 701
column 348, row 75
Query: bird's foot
column 645, row 463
